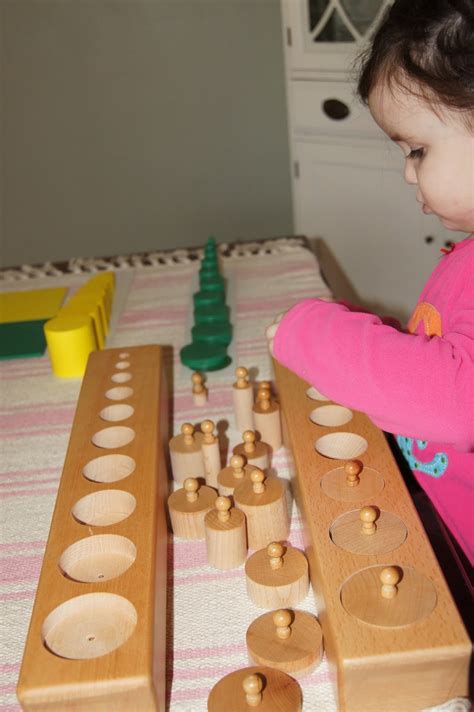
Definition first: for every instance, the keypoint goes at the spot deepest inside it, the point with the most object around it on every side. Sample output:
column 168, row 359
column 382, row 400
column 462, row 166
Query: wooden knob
column 353, row 468
column 237, row 463
column 249, row 441
column 263, row 398
column 282, row 620
column 191, row 486
column 242, row 377
column 207, row 427
column 257, row 478
column 367, row 516
column 197, row 380
column 275, row 552
column 188, row 431
column 253, row 685
column 223, row 504
column 389, row 577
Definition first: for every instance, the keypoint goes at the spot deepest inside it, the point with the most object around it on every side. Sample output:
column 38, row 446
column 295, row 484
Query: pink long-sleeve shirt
column 419, row 383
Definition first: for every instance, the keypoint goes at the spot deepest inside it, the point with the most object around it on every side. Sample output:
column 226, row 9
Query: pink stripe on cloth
column 269, row 306
column 21, row 568
column 204, row 578
column 29, row 418
column 161, row 280
column 41, row 433
column 28, row 482
column 214, row 671
column 8, row 688
column 9, row 667
column 21, row 545
column 71, row 403
column 185, row 557
column 25, row 595
column 196, row 693
column 29, row 493
column 208, row 651
column 27, row 375
column 25, row 364
column 165, row 314
column 23, row 473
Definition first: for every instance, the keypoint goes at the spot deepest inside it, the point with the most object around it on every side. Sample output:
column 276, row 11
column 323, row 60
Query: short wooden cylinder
column 187, row 518
column 268, row 425
column 280, row 692
column 298, row 655
column 212, row 462
column 243, row 402
column 267, row 513
column 277, row 588
column 200, row 399
column 227, row 481
column 186, row 460
column 259, row 458
column 226, row 542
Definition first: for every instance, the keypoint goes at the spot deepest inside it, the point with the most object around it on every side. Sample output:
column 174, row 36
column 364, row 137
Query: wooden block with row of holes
column 98, row 629
column 391, row 628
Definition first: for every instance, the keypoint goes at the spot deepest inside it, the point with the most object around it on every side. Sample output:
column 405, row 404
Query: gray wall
column 131, row 125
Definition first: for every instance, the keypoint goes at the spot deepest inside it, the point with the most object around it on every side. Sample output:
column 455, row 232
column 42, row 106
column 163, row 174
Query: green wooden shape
column 211, row 314
column 204, row 357
column 212, row 284
column 206, row 298
column 217, row 333
column 22, row 339
column 209, row 264
column 211, row 245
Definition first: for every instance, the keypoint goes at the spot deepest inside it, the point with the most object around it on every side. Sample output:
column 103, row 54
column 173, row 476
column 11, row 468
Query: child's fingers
column 271, row 331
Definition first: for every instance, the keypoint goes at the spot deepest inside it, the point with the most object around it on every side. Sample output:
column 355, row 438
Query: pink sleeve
column 410, row 384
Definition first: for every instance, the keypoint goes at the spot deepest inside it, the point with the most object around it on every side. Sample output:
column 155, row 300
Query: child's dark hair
column 427, row 48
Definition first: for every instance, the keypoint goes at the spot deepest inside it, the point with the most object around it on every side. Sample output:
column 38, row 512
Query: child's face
column 439, row 154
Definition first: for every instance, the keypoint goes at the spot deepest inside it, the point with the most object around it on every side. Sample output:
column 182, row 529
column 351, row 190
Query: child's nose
column 410, row 172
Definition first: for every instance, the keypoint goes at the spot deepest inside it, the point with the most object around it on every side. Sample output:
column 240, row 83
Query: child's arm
column 411, row 384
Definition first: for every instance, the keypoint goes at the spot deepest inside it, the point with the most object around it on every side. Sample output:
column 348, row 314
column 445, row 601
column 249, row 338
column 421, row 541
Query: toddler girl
column 418, row 80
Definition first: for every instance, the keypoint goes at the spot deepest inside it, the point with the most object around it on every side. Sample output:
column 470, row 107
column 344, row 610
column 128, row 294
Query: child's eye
column 415, row 153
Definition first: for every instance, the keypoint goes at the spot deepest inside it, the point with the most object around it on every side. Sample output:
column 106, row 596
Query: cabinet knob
column 336, row 109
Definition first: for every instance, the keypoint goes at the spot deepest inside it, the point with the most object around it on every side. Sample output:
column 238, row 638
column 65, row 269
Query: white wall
column 140, row 124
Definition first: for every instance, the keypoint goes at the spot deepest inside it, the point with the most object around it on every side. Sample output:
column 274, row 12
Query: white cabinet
column 348, row 185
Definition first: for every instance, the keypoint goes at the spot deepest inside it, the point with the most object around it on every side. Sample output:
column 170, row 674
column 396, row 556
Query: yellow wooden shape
column 31, row 305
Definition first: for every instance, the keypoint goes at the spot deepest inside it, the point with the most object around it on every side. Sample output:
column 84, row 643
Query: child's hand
column 271, row 331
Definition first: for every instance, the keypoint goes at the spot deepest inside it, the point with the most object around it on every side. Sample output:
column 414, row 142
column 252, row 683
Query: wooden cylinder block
column 291, row 641
column 262, row 688
column 99, row 620
column 243, row 401
column 277, row 577
column 267, row 420
column 226, row 535
column 255, row 451
column 186, row 454
column 210, row 453
column 233, row 475
column 199, row 389
column 188, row 508
column 265, row 507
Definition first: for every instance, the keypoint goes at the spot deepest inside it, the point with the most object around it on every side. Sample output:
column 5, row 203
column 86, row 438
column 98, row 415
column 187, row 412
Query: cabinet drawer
column 330, row 108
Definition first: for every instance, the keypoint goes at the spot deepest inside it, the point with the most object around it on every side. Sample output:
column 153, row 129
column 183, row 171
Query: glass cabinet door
column 343, row 20
column 325, row 35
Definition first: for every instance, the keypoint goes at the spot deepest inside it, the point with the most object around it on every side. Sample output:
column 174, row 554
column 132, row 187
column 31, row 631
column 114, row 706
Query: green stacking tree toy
column 212, row 330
